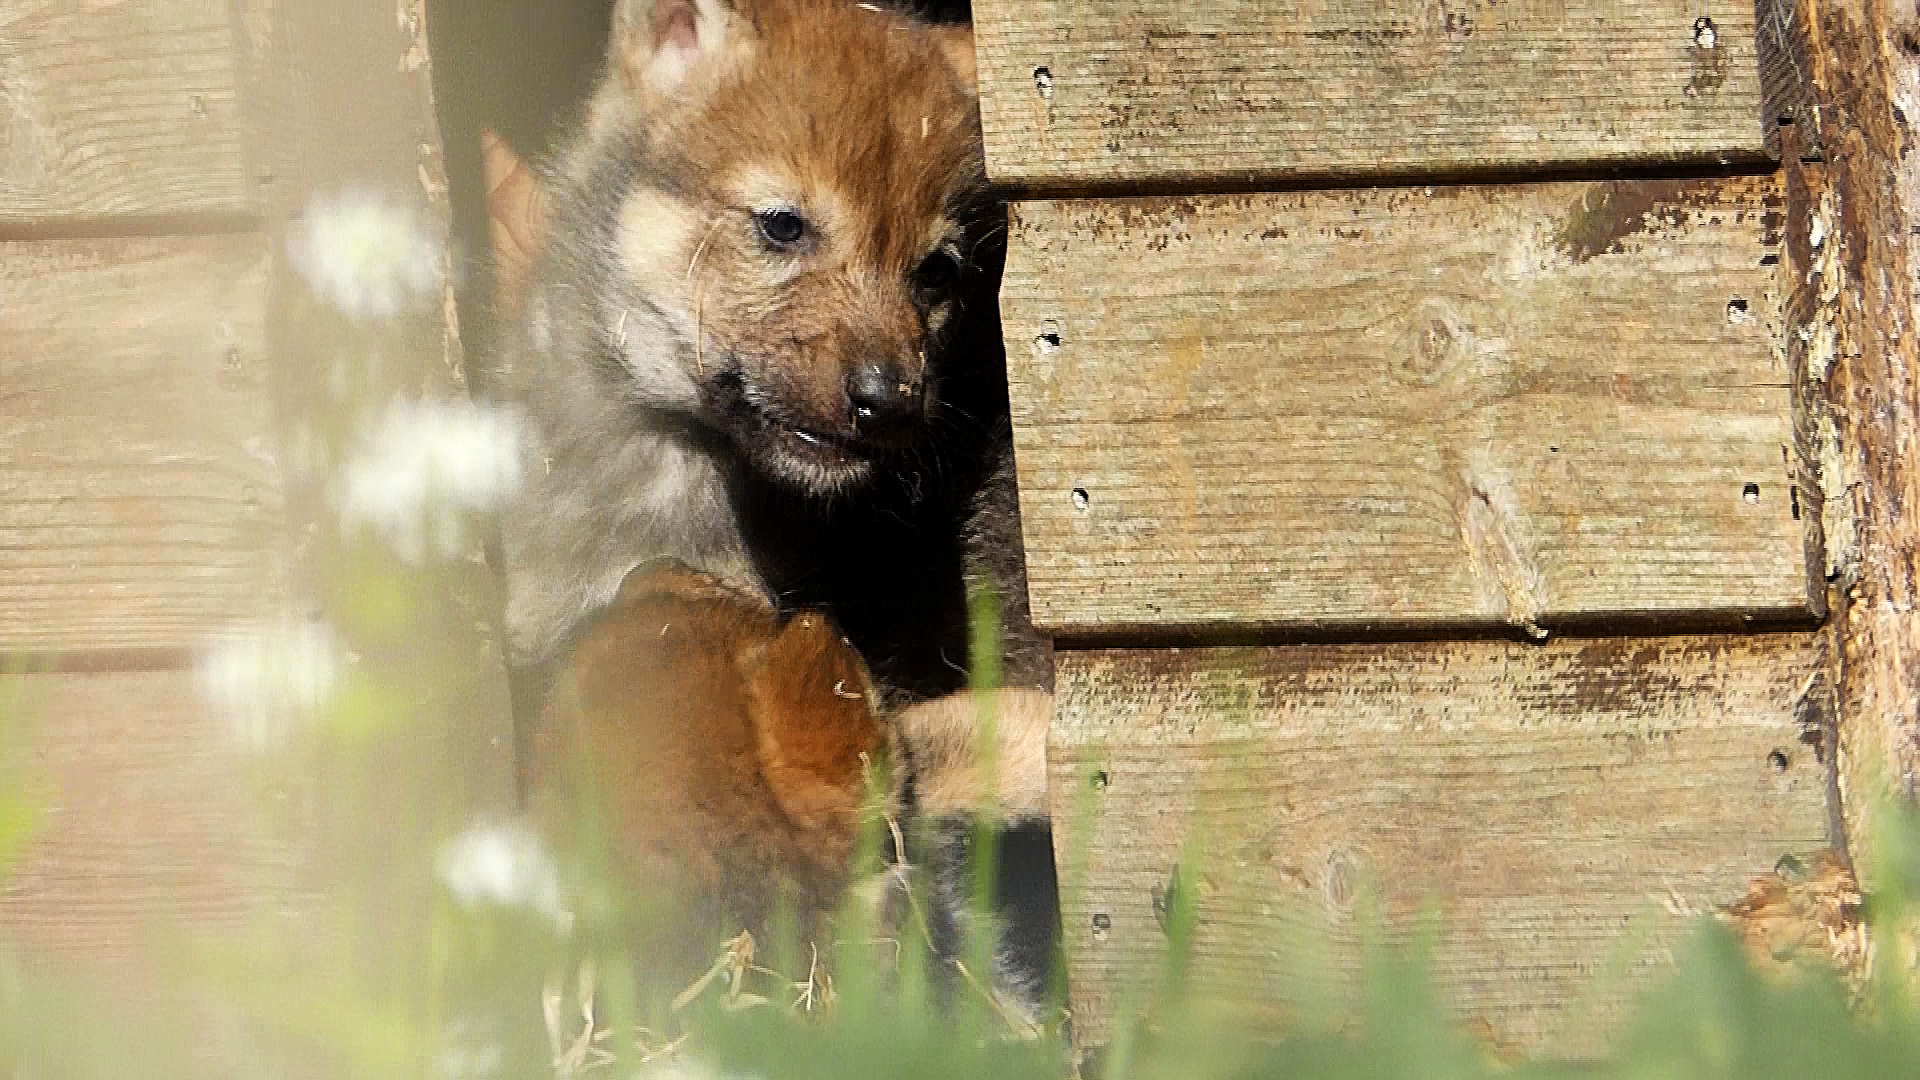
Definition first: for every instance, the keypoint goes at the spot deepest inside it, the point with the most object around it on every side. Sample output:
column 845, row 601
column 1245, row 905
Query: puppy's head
column 796, row 234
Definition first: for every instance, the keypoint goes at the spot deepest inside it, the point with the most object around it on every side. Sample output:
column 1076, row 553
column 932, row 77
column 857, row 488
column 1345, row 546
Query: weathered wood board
column 1856, row 259
column 1542, row 797
column 172, row 394
column 1084, row 93
column 113, row 109
column 151, row 824
column 338, row 102
column 139, row 477
column 1419, row 406
column 340, row 105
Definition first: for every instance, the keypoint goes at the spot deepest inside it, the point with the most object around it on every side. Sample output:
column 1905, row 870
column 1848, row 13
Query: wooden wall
column 1358, row 349
column 1416, row 433
column 163, row 371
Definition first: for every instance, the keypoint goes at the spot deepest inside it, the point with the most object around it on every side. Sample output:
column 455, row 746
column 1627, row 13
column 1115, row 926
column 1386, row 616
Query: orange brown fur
column 901, row 149
column 516, row 219
column 724, row 747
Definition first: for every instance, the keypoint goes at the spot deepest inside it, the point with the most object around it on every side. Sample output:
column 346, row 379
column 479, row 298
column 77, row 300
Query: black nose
column 884, row 404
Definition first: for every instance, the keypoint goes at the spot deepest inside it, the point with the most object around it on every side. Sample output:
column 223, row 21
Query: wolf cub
column 759, row 352
column 761, row 337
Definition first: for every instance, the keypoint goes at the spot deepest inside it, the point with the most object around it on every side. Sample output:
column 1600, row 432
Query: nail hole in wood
column 1751, row 493
column 1080, row 500
column 1778, row 759
column 1101, row 924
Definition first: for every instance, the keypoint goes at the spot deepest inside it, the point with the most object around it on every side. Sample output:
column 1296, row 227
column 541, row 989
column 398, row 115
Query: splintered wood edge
column 338, row 99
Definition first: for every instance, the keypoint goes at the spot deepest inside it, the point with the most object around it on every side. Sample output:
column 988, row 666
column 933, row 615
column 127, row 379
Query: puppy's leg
column 955, row 772
column 960, row 782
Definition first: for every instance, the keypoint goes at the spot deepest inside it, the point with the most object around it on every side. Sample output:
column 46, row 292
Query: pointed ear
column 663, row 47
column 956, row 46
column 516, row 218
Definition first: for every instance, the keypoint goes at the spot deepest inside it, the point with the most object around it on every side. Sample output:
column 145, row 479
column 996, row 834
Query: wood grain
column 119, row 108
column 152, row 826
column 1441, row 406
column 338, row 101
column 340, row 109
column 169, row 412
column 139, row 479
column 1544, row 798
column 1856, row 274
column 1082, row 93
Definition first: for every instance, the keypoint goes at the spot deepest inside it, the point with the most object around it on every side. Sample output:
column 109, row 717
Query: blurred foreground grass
column 519, row 968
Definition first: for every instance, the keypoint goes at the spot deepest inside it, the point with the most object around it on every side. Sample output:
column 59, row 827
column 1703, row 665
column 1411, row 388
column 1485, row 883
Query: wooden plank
column 1543, row 797
column 1525, row 405
column 151, row 828
column 119, row 108
column 1851, row 247
column 339, row 101
column 139, row 486
column 340, row 111
column 1084, row 93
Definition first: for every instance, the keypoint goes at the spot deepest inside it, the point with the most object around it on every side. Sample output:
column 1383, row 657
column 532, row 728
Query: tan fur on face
column 859, row 123
column 657, row 242
column 657, row 238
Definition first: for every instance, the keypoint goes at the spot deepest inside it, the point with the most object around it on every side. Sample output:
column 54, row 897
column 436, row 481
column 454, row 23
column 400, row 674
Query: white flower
column 367, row 257
column 503, row 866
column 269, row 684
column 427, row 465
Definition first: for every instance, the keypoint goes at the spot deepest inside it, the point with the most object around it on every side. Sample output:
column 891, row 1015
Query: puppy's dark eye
column 781, row 227
column 937, row 271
